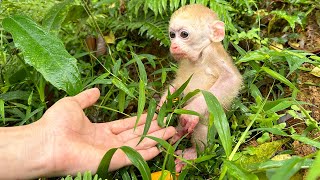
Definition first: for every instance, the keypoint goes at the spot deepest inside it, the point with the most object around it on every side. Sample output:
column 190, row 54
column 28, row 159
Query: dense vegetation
column 50, row 49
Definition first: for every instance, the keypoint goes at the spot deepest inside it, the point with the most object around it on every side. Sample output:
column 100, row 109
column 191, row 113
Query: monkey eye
column 172, row 34
column 184, row 34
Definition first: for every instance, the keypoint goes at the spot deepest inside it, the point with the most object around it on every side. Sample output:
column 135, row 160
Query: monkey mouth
column 179, row 55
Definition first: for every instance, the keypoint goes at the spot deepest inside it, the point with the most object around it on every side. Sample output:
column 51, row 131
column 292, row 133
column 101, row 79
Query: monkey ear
column 217, row 31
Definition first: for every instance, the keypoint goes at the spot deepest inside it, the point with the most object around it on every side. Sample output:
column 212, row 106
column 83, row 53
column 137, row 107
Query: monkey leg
column 199, row 139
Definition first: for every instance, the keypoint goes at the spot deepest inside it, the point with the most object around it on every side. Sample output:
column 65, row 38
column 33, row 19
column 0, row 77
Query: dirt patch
column 310, row 92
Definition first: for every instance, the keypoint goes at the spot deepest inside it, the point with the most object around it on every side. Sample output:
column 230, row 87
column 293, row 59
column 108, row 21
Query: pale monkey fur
column 211, row 67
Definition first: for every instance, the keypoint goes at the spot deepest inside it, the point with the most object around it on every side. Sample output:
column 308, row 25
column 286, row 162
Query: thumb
column 87, row 98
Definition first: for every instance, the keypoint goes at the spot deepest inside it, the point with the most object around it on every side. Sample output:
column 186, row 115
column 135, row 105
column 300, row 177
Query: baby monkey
column 196, row 33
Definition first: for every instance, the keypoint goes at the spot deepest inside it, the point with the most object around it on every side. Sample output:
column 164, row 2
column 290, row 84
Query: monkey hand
column 188, row 122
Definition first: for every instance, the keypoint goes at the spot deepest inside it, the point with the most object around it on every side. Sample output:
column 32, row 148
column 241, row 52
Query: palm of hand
column 79, row 145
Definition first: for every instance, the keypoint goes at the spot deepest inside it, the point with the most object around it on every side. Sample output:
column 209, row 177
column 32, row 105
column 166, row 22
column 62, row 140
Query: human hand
column 74, row 144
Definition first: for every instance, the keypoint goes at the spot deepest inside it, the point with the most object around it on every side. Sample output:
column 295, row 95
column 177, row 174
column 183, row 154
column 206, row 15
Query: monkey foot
column 187, row 154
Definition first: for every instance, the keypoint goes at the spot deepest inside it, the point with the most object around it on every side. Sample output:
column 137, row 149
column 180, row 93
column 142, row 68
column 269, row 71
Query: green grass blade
column 45, row 52
column 220, row 121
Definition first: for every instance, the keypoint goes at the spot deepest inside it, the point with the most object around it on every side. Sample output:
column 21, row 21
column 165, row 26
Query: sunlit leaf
column 238, row 172
column 45, row 52
column 291, row 166
column 314, row 172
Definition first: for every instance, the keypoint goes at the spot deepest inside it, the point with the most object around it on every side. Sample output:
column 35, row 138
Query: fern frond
column 154, row 28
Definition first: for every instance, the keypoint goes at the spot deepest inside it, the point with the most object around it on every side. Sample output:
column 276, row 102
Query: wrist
column 23, row 152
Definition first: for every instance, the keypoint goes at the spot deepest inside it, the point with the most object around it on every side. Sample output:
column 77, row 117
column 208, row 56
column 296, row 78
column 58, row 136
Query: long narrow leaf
column 220, row 121
column 314, row 172
column 141, row 101
column 122, row 86
column 151, row 111
column 291, row 166
column 138, row 161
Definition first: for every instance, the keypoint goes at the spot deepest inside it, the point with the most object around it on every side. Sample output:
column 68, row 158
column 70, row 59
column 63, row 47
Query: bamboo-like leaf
column 162, row 115
column 184, row 111
column 142, row 70
column 239, row 173
column 279, row 77
column 151, row 111
column 141, row 101
column 135, row 158
column 138, row 161
column 189, row 96
column 105, row 163
column 179, row 91
column 121, row 100
column 314, row 172
column 45, row 53
column 306, row 140
column 122, row 86
column 220, row 121
column 291, row 166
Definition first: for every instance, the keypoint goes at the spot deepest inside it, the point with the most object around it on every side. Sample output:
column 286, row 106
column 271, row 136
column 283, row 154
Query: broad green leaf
column 138, row 161
column 279, row 77
column 220, row 121
column 141, row 101
column 238, row 172
column 151, row 111
column 122, row 86
column 45, row 53
column 314, row 172
column 291, row 166
column 56, row 15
